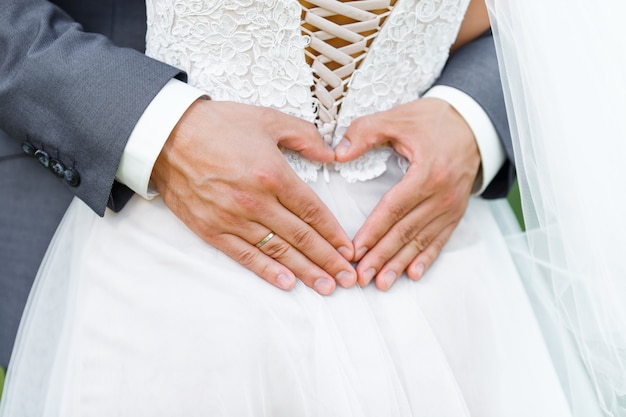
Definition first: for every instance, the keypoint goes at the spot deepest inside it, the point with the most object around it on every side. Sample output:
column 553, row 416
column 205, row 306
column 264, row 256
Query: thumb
column 361, row 136
column 308, row 142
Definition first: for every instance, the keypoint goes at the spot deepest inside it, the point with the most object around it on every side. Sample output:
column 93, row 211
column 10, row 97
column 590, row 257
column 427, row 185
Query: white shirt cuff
column 491, row 150
column 150, row 134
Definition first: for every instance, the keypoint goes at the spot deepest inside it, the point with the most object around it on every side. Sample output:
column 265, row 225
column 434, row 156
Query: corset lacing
column 340, row 34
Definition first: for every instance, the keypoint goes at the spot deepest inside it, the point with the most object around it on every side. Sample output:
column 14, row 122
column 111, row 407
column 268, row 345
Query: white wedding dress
column 134, row 315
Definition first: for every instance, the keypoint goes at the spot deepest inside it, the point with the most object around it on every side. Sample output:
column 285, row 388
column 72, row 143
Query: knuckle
column 275, row 250
column 421, row 242
column 359, row 124
column 304, row 147
column 427, row 258
column 310, row 213
column 307, row 130
column 206, row 232
column 450, row 199
column 265, row 177
column 440, row 176
column 246, row 257
column 364, row 130
column 328, row 264
column 437, row 246
column 377, row 258
column 406, row 233
column 265, row 272
column 303, row 239
column 394, row 210
column 203, row 224
column 244, row 200
column 224, row 219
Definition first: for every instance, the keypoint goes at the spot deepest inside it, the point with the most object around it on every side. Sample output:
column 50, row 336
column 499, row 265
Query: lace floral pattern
column 252, row 51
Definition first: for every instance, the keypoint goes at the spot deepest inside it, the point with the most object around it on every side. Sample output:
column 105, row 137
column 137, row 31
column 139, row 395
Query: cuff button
column 71, row 177
column 28, row 149
column 57, row 168
column 43, row 157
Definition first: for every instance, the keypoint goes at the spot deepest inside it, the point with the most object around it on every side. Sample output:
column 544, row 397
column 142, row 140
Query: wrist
column 178, row 139
column 150, row 133
column 490, row 148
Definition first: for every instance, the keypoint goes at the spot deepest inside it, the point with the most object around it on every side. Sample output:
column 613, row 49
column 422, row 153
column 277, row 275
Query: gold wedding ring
column 265, row 239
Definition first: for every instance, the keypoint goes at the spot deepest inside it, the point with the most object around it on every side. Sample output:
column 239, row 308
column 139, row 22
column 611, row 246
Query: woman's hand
column 414, row 219
column 222, row 173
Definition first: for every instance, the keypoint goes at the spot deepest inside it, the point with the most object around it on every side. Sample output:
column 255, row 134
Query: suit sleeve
column 473, row 69
column 71, row 98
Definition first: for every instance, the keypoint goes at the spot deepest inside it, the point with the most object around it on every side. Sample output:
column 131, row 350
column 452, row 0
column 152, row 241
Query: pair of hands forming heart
column 233, row 191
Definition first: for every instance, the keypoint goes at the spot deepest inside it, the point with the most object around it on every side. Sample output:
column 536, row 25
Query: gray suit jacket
column 69, row 99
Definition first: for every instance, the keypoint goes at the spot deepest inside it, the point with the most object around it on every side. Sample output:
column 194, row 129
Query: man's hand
column 222, row 173
column 412, row 222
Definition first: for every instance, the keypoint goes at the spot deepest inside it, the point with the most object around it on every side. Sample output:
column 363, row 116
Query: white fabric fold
column 563, row 67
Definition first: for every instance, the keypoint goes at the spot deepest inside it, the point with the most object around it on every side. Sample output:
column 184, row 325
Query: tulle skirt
column 133, row 315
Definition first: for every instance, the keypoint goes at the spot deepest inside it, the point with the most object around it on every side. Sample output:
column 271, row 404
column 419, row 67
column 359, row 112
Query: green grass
column 2, row 373
column 516, row 204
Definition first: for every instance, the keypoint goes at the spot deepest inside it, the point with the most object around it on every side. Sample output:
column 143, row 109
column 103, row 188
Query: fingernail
column 419, row 271
column 343, row 147
column 368, row 275
column 323, row 286
column 359, row 253
column 346, row 279
column 389, row 278
column 345, row 252
column 285, row 281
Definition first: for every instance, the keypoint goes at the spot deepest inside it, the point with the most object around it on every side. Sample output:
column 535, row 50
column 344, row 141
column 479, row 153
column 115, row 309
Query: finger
column 363, row 134
column 413, row 234
column 402, row 198
column 256, row 261
column 429, row 241
column 273, row 270
column 425, row 259
column 323, row 237
column 303, row 137
column 283, row 203
column 309, row 252
column 305, row 270
column 283, row 184
column 305, row 241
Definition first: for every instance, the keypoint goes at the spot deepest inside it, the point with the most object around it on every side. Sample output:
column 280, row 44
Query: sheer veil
column 563, row 65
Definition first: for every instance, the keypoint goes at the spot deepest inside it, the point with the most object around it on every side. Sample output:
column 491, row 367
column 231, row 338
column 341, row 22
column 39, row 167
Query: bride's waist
column 370, row 166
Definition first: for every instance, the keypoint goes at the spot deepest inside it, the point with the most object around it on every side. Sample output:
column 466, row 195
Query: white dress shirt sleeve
column 491, row 150
column 150, row 134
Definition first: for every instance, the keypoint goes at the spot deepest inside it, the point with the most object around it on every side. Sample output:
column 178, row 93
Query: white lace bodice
column 253, row 51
